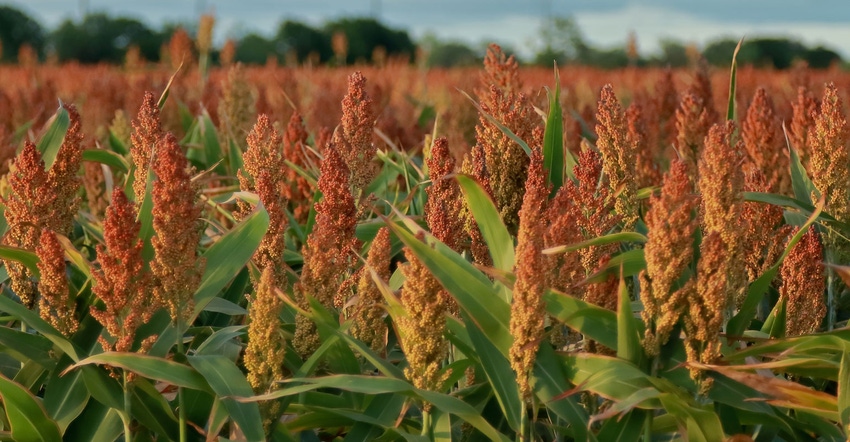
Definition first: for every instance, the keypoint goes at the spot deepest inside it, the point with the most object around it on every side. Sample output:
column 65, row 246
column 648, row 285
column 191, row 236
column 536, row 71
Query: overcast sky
column 515, row 22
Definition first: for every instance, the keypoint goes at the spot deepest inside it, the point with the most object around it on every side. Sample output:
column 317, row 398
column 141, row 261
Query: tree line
column 100, row 37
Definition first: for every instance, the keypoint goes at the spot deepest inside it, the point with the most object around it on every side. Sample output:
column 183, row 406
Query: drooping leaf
column 26, row 415
column 150, row 367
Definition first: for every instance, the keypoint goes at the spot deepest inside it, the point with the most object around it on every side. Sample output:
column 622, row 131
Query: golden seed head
column 668, row 252
column 236, row 106
column 147, row 130
column 205, row 32
column 423, row 328
column 618, row 155
column 803, row 286
column 721, row 182
column 56, row 304
column 369, row 325
column 830, row 154
column 528, row 310
column 354, row 136
column 692, row 124
column 266, row 347
column 764, row 142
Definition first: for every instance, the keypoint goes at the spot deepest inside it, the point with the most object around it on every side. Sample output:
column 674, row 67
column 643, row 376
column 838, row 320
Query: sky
column 604, row 23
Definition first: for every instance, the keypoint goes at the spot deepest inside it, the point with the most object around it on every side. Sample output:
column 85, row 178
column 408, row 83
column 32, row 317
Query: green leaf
column 730, row 109
column 472, row 290
column 152, row 411
column 25, row 257
column 227, row 381
column 116, row 145
column 35, row 322
column 150, row 367
column 380, row 385
column 230, row 253
column 65, row 397
column 26, row 415
column 27, row 346
column 499, row 373
column 51, row 142
column 702, row 425
column 610, row 238
column 107, row 157
column 383, row 411
column 212, row 147
column 628, row 334
column 221, row 305
column 165, row 92
column 594, row 322
column 624, row 429
column 844, row 391
column 800, row 181
column 487, row 217
column 213, row 344
column 553, row 137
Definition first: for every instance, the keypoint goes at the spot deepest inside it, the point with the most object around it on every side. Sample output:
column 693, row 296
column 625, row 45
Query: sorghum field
column 393, row 253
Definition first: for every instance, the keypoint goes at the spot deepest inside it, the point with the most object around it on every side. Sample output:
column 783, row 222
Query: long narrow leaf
column 26, row 415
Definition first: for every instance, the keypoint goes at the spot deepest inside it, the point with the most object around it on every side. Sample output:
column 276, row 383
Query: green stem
column 523, row 424
column 426, row 425
column 125, row 416
column 181, row 408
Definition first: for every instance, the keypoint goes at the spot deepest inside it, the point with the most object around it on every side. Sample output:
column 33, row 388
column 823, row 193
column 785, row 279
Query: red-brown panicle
column 264, row 173
column 830, row 155
column 40, row 199
column 692, row 124
column 474, row 164
column 56, row 304
column 528, row 310
column 805, row 109
column 62, row 178
column 618, row 155
column 505, row 161
column 180, row 49
column 445, row 201
column 369, row 325
column 354, row 136
column 296, row 188
column 27, row 210
column 648, row 166
column 266, row 344
column 330, row 247
column 707, row 305
column 765, row 143
column 666, row 101
column 803, row 286
column 671, row 221
column 701, row 87
column 121, row 281
column 764, row 239
column 178, row 227
column 721, row 183
column 147, row 130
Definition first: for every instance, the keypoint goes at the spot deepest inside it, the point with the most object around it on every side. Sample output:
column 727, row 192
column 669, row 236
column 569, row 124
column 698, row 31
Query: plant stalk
column 181, row 408
column 125, row 416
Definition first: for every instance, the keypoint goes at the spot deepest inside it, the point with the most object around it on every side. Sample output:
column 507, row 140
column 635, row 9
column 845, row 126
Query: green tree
column 673, row 54
column 302, row 40
column 366, row 34
column 254, row 49
column 17, row 28
column 560, row 39
column 101, row 38
column 821, row 57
